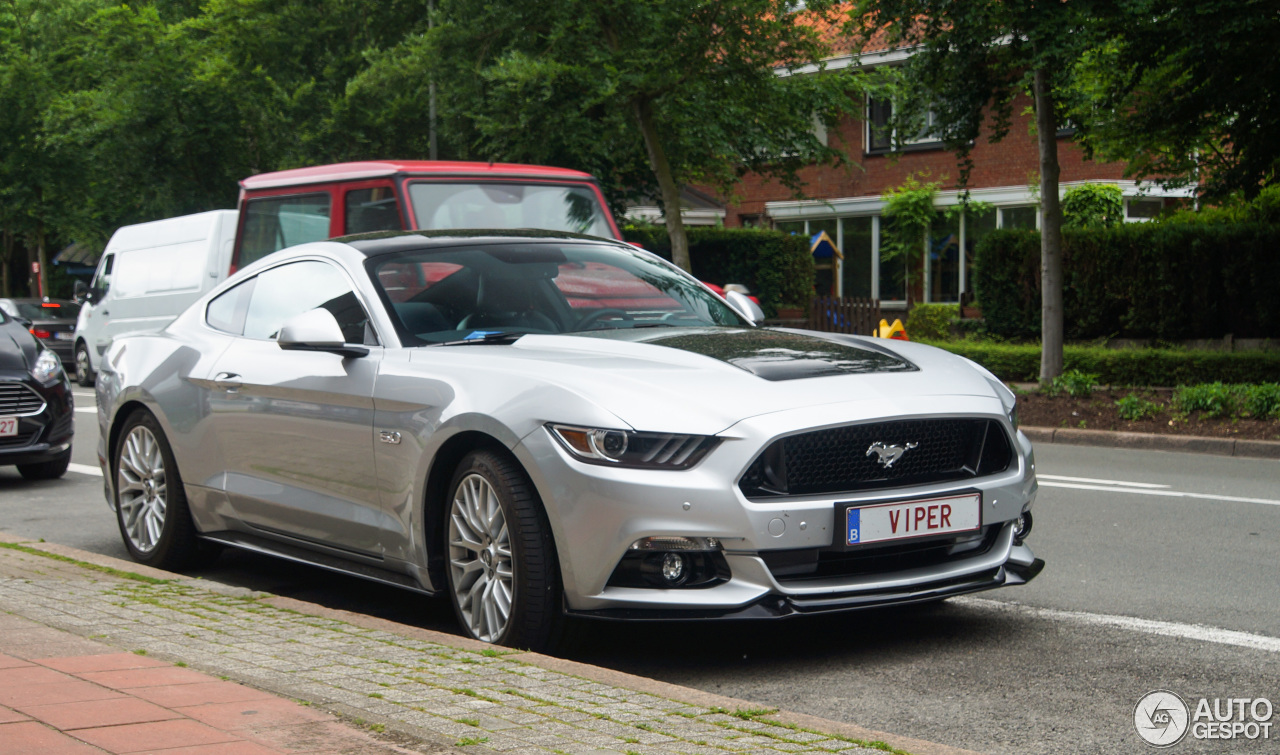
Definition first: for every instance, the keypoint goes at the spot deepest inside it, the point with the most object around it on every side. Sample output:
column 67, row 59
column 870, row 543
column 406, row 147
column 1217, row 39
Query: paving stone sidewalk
column 435, row 692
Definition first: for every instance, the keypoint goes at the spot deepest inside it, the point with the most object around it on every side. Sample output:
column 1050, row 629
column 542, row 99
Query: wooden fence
column 832, row 315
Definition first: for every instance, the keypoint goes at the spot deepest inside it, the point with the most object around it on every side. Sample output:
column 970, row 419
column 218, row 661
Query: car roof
column 384, row 168
column 390, row 242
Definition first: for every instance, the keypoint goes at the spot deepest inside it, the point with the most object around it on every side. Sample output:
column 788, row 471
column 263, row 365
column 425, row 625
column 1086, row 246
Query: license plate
column 64, row 336
column 903, row 520
column 8, row 427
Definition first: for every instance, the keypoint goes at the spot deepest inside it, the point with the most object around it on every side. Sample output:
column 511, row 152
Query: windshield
column 460, row 293
column 506, row 206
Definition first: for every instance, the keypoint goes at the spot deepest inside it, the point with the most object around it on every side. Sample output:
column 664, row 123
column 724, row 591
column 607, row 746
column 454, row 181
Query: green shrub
column 1142, row 367
column 776, row 266
column 1210, row 399
column 931, row 322
column 1134, row 408
column 1074, row 383
column 1092, row 206
column 1169, row 281
column 1261, row 401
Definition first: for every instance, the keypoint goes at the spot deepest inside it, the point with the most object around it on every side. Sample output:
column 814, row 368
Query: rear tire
column 151, row 507
column 503, row 573
column 84, row 368
column 47, row 470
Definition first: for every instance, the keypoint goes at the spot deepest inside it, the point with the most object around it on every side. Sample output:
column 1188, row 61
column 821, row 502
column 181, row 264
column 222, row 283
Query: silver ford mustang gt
column 546, row 424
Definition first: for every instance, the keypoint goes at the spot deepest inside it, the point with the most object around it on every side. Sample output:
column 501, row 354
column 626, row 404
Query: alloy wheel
column 140, row 480
column 480, row 560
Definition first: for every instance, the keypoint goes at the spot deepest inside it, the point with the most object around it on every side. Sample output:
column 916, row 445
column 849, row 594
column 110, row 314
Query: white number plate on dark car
column 907, row 519
column 8, row 427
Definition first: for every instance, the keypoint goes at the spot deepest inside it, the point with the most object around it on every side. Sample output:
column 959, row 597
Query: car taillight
column 40, row 333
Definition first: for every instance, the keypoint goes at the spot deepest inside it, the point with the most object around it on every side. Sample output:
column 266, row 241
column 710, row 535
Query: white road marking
column 85, row 469
column 1165, row 493
column 87, row 409
column 1197, row 632
column 1061, row 478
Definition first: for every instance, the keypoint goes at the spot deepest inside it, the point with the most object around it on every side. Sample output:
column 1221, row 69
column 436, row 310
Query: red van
column 291, row 207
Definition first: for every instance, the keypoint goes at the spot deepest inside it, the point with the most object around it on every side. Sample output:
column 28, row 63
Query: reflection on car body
column 541, row 423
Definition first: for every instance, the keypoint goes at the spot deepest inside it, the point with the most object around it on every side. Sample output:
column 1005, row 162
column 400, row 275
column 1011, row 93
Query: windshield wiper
column 481, row 337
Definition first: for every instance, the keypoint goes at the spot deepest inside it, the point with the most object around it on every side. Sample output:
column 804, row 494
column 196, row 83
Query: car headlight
column 47, row 366
column 628, row 448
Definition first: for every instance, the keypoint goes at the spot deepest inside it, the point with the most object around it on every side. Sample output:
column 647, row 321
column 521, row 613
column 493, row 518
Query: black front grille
column 16, row 399
column 853, row 457
column 812, row 563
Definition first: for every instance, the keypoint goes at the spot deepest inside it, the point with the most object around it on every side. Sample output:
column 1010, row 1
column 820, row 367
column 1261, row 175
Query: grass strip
column 86, row 565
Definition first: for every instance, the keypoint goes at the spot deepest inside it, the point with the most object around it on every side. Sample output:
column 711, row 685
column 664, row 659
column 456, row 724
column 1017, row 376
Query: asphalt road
column 1162, row 574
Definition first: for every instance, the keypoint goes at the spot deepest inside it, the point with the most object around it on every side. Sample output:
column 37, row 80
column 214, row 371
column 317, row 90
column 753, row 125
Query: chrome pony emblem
column 888, row 455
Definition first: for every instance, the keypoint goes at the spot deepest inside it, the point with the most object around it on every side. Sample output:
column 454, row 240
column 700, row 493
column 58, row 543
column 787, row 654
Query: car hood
column 706, row 380
column 17, row 348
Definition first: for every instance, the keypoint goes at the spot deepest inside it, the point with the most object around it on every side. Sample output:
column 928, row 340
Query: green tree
column 653, row 94
column 1186, row 91
column 37, row 182
column 972, row 59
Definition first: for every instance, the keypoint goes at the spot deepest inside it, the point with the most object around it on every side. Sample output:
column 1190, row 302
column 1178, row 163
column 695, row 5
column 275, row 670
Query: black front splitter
column 786, row 606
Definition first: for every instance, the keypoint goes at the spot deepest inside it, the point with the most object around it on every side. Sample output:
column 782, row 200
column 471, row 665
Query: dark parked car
column 52, row 321
column 36, row 411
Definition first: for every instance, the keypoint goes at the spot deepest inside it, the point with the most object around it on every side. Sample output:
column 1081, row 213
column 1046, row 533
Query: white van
column 149, row 273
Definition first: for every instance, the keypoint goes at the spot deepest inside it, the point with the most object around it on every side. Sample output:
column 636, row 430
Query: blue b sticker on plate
column 852, row 520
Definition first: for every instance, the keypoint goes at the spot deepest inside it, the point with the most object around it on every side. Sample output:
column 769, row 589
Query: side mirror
column 80, row 292
column 316, row 330
column 745, row 306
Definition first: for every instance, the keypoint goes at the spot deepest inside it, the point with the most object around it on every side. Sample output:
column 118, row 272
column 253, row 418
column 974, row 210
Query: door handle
column 227, row 381
column 105, row 313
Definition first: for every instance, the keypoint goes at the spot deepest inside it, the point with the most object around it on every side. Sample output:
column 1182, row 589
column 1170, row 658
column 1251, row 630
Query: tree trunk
column 1050, row 233
column 667, row 184
column 5, row 291
column 42, row 257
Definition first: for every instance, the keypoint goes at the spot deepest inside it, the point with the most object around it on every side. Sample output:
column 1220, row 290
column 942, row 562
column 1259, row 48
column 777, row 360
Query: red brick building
column 847, row 202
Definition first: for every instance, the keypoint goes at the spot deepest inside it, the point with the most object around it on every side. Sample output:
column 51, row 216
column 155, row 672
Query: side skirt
column 324, row 561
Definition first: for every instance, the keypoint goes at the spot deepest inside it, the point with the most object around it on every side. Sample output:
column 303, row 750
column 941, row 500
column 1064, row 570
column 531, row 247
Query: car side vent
column 17, row 400
column 879, row 455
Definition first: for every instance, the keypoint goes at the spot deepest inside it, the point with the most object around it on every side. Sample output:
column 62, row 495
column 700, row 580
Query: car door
column 295, row 428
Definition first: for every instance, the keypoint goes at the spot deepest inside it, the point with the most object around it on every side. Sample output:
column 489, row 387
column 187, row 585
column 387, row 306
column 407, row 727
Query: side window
column 227, row 311
column 283, row 292
column 274, row 223
column 102, row 278
column 369, row 210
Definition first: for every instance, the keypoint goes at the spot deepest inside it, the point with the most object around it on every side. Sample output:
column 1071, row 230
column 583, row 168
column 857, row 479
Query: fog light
column 1022, row 528
column 673, row 568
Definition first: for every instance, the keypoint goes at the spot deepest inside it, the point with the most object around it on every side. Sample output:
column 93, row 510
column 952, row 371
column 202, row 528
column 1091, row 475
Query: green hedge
column 1150, row 280
column 1142, row 367
column 776, row 266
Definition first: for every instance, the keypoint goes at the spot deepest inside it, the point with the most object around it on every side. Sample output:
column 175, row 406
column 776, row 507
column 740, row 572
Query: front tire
column 151, row 507
column 503, row 574
column 84, row 368
column 47, row 470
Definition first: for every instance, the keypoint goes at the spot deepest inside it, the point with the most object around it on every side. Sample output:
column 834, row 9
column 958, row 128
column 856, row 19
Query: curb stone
column 701, row 710
column 1258, row 449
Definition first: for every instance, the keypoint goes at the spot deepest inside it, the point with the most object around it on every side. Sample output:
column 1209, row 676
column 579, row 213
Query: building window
column 1027, row 217
column 882, row 137
column 1142, row 209
column 942, row 263
column 858, row 244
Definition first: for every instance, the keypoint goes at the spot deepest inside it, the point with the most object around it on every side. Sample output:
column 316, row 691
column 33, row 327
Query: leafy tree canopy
column 1186, row 92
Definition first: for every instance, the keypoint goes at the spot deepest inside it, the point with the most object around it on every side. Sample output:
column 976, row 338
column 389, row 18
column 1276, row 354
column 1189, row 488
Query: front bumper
column 597, row 512
column 44, row 435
